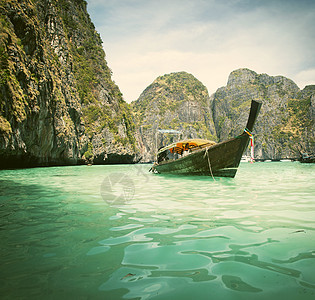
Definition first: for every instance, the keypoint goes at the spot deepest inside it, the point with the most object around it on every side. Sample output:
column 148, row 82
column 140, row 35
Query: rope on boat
column 251, row 136
column 246, row 130
column 209, row 163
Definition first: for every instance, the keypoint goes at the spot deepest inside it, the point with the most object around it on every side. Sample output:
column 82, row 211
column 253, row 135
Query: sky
column 144, row 39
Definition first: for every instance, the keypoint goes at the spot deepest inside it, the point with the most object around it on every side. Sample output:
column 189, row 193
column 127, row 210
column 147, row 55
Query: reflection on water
column 64, row 234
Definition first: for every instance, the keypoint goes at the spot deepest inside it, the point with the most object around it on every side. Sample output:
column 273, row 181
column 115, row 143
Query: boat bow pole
column 254, row 111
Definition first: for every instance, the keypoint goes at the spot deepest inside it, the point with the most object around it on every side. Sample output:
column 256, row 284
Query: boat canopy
column 185, row 145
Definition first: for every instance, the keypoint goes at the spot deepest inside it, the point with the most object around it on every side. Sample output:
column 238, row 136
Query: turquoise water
column 119, row 232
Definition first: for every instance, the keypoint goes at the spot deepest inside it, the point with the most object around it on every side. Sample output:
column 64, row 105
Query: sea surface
column 120, row 232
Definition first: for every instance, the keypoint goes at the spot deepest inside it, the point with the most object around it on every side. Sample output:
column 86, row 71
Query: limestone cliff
column 285, row 126
column 284, row 129
column 176, row 101
column 58, row 103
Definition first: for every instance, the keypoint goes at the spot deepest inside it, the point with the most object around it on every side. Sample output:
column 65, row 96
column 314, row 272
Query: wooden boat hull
column 220, row 160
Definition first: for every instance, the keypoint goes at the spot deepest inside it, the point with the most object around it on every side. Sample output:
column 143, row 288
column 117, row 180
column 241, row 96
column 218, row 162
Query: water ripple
column 251, row 237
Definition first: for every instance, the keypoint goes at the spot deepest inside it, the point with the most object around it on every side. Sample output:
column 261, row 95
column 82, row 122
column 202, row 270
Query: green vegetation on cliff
column 176, row 101
column 169, row 92
column 285, row 125
column 93, row 76
column 58, row 103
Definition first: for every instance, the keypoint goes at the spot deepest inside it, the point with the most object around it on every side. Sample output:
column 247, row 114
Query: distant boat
column 245, row 158
column 204, row 157
column 307, row 158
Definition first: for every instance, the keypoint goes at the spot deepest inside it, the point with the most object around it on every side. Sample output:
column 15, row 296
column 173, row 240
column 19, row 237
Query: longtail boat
column 204, row 157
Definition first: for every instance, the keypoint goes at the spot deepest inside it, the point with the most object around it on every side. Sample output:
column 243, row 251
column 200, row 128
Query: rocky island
column 176, row 101
column 285, row 127
column 286, row 124
column 60, row 106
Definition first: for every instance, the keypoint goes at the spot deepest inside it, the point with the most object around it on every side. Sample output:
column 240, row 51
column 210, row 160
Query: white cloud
column 210, row 39
column 137, row 62
column 212, row 69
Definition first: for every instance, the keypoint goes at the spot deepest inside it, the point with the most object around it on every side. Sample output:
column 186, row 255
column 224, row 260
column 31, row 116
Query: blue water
column 120, row 232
